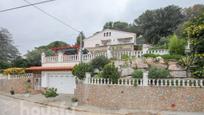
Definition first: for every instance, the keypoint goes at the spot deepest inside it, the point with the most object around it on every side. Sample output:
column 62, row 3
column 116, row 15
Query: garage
column 63, row 81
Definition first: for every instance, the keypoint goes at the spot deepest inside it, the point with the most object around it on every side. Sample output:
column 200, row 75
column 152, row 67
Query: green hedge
column 166, row 56
column 80, row 70
column 158, row 73
column 137, row 74
column 111, row 72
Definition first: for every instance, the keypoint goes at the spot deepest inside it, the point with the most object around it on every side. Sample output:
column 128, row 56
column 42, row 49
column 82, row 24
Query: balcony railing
column 88, row 57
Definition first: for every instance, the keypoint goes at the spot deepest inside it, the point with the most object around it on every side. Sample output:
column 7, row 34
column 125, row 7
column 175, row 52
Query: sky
column 31, row 28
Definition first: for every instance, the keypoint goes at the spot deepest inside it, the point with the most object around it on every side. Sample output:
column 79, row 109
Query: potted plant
column 74, row 102
column 12, row 92
column 50, row 93
column 27, row 88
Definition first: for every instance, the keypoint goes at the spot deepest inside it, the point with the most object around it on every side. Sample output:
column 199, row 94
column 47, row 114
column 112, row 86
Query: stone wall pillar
column 88, row 76
column 145, row 78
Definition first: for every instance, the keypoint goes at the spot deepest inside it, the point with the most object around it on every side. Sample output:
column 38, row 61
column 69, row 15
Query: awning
column 40, row 68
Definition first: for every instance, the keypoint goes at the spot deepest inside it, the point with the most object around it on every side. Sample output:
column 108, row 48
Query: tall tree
column 194, row 29
column 19, row 62
column 78, row 39
column 159, row 23
column 190, row 13
column 34, row 56
column 194, row 11
column 57, row 44
column 8, row 51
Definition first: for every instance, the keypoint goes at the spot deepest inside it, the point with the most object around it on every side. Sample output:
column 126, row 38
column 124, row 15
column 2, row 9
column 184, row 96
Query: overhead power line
column 52, row 16
column 9, row 9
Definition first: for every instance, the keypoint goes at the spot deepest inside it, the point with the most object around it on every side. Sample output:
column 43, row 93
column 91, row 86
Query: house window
column 109, row 33
column 97, row 45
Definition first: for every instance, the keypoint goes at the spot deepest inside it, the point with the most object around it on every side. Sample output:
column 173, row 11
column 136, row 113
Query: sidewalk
column 64, row 102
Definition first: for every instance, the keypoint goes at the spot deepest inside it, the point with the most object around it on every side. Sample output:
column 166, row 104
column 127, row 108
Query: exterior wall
column 16, row 84
column 58, row 64
column 146, row 98
column 115, row 35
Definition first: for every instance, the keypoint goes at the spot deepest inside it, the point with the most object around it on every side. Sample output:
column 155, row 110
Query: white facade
column 109, row 37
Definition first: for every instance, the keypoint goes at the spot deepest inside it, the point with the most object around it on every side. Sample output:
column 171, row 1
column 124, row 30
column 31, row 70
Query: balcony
column 67, row 60
column 125, row 40
column 70, row 60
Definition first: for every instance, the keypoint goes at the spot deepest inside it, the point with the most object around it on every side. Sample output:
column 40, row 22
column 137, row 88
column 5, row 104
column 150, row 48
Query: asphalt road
column 10, row 106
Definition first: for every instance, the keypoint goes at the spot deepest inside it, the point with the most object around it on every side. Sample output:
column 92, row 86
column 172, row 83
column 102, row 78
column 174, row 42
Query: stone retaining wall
column 147, row 98
column 17, row 84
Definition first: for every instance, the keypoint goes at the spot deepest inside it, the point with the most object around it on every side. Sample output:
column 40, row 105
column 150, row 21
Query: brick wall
column 147, row 98
column 17, row 84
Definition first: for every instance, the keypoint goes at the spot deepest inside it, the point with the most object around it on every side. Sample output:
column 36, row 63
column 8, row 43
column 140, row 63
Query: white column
column 109, row 54
column 145, row 78
column 60, row 56
column 44, row 80
column 144, row 48
column 42, row 57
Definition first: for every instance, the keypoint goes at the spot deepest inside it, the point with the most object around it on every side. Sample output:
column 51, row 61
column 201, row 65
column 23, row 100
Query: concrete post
column 145, row 48
column 109, row 54
column 44, row 80
column 145, row 78
column 9, row 76
column 88, row 76
column 80, row 56
column 60, row 56
column 43, row 57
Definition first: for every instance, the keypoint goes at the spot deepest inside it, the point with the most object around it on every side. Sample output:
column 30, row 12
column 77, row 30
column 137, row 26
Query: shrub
column 50, row 92
column 12, row 71
column 137, row 74
column 74, row 99
column 198, row 73
column 99, row 62
column 125, row 57
column 176, row 45
column 171, row 56
column 111, row 72
column 150, row 55
column 166, row 56
column 28, row 86
column 158, row 73
column 80, row 70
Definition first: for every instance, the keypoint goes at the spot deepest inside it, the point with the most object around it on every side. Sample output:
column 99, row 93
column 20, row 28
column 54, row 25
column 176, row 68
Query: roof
column 40, row 68
column 65, row 47
column 108, row 30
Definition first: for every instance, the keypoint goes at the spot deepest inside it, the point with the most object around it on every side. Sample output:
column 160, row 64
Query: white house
column 115, row 39
column 56, row 70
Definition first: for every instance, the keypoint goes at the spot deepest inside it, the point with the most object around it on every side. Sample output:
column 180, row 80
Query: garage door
column 64, row 82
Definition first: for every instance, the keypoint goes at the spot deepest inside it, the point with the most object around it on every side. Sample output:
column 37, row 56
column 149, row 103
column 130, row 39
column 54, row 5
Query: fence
column 117, row 55
column 151, row 82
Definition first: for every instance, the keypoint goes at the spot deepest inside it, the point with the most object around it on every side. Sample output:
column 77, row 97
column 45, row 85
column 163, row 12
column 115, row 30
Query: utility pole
column 81, row 43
